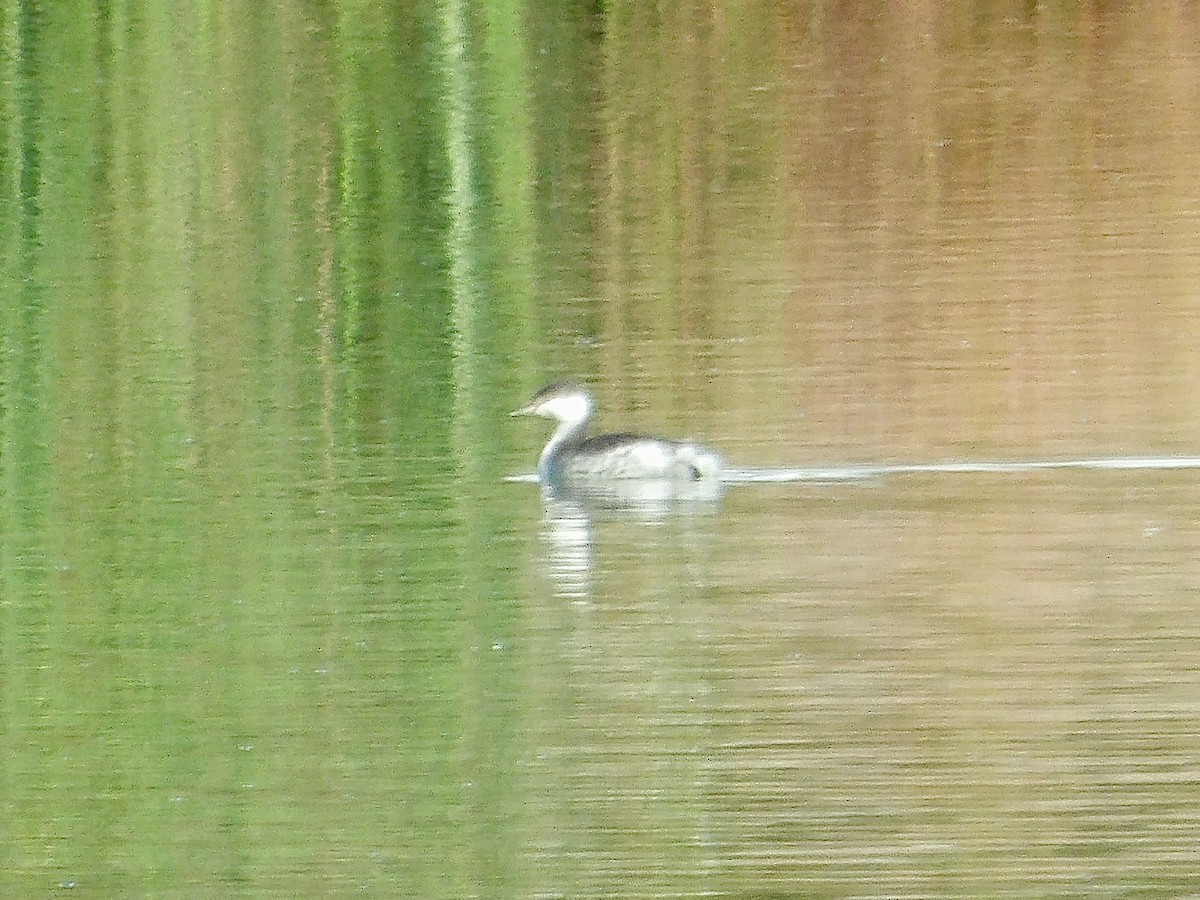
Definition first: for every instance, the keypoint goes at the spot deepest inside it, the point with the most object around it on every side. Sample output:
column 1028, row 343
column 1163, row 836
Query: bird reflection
column 570, row 514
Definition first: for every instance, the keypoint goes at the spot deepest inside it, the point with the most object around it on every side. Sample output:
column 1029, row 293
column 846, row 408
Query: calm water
column 273, row 622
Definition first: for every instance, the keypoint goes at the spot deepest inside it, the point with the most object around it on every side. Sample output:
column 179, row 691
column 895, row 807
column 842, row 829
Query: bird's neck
column 570, row 433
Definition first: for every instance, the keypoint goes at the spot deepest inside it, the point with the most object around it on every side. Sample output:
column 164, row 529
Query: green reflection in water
column 235, row 602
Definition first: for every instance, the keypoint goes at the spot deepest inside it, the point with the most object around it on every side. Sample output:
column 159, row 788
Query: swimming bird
column 570, row 456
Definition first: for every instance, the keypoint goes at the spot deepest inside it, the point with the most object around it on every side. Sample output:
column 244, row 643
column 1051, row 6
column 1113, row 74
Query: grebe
column 570, row 456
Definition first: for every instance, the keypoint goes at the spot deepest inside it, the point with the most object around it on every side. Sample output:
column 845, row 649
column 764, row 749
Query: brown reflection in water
column 1008, row 206
column 915, row 232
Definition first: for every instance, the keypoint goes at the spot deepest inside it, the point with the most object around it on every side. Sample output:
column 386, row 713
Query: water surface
column 274, row 623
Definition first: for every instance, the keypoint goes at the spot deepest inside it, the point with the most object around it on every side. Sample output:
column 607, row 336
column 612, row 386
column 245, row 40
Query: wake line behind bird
column 957, row 467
